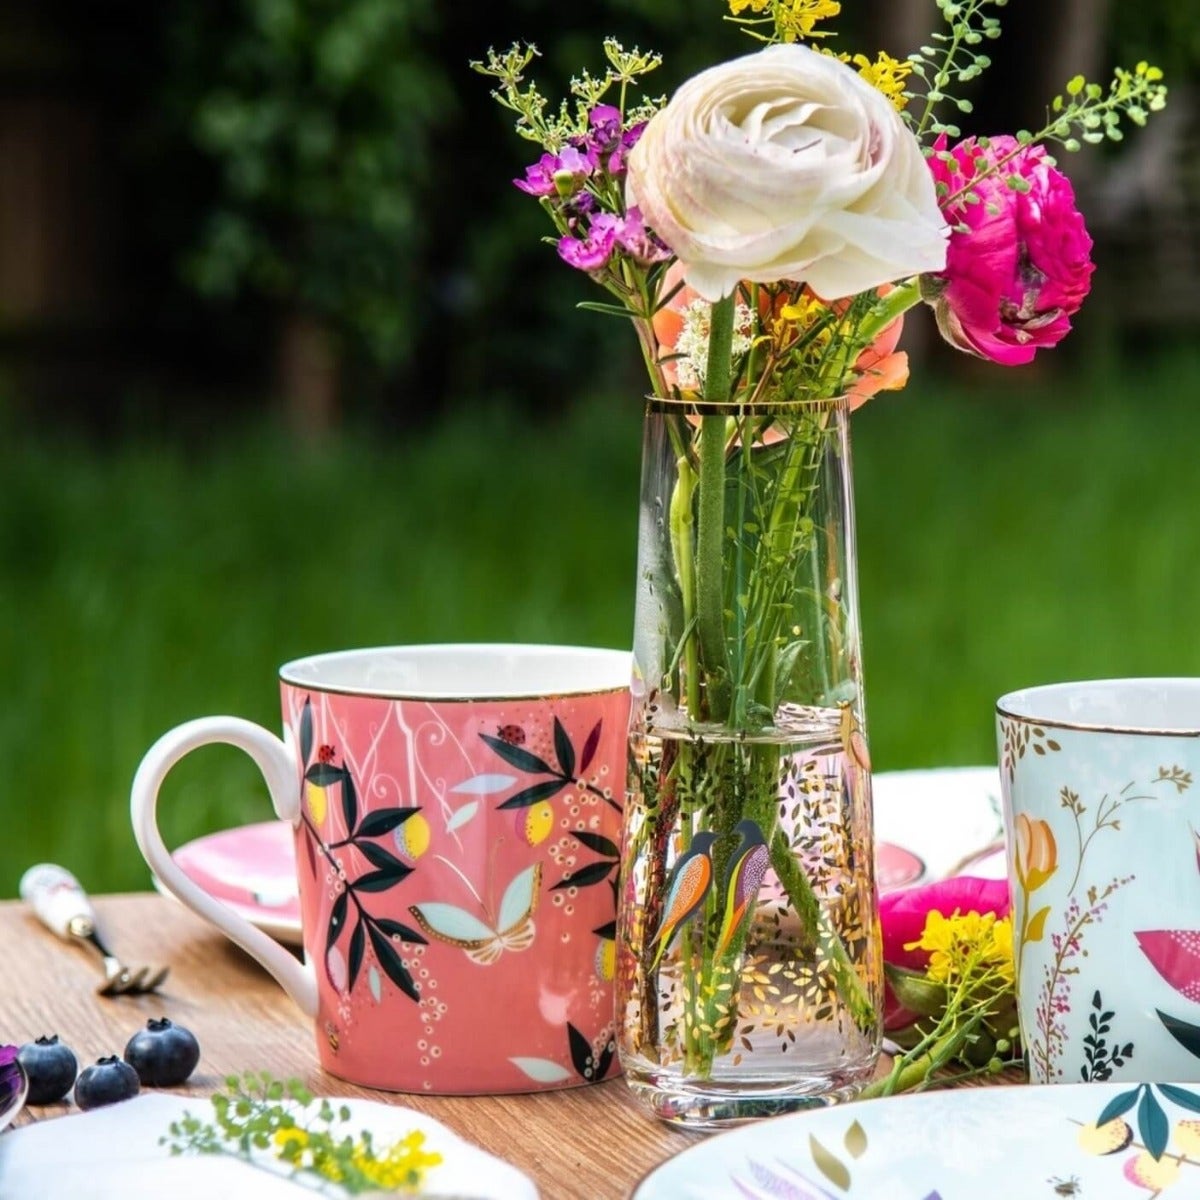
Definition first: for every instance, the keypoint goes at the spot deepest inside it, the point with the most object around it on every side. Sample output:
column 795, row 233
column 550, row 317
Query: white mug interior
column 463, row 671
column 1160, row 706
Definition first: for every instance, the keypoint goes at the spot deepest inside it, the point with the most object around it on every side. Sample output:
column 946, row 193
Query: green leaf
column 586, row 876
column 349, row 801
column 531, row 795
column 1188, row 1036
column 607, row 931
column 323, row 774
column 377, row 856
column 337, row 919
column 515, row 756
column 384, row 820
column 589, row 747
column 581, row 1052
column 917, row 992
column 306, row 731
column 598, row 843
column 1118, row 1105
column 855, row 1140
column 358, row 943
column 379, row 881
column 1037, row 925
column 563, row 749
column 1153, row 1124
column 829, row 1164
column 391, row 963
column 400, row 930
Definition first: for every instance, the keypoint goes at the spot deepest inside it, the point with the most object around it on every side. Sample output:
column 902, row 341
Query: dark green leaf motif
column 515, row 756
column 598, row 843
column 337, row 917
column 608, row 930
column 1118, row 1105
column 384, row 820
column 1188, row 1036
column 400, row 930
column 538, row 791
column 585, row 876
column 358, row 943
column 349, row 801
column 1180, row 1096
column 581, row 1053
column 563, row 749
column 589, row 748
column 306, row 731
column 324, row 774
column 379, row 857
column 1153, row 1124
column 391, row 964
column 381, row 880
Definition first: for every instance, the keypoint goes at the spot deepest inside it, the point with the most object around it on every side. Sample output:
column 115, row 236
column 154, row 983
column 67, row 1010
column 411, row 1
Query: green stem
column 681, row 545
column 710, row 516
column 817, row 931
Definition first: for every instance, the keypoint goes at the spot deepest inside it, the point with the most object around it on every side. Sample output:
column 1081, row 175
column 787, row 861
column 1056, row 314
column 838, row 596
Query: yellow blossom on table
column 962, row 945
column 402, row 1168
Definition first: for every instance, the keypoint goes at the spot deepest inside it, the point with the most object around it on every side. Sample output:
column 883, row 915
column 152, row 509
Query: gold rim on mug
column 1094, row 726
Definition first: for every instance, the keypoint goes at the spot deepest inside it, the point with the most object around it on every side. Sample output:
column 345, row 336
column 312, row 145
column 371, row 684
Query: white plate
column 949, row 817
column 115, row 1153
column 1022, row 1142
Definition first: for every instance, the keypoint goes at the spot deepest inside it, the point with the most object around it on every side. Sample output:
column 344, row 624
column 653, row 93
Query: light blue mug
column 1102, row 812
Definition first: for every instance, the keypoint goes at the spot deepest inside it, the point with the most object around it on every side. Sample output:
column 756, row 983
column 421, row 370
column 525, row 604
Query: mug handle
column 276, row 761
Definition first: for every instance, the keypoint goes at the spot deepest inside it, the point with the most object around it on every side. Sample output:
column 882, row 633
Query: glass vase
column 749, row 976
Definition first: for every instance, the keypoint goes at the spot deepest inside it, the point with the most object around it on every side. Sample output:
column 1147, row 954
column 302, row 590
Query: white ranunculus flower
column 784, row 164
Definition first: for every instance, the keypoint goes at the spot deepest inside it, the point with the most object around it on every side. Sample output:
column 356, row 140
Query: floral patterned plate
column 948, row 817
column 1094, row 1140
column 252, row 869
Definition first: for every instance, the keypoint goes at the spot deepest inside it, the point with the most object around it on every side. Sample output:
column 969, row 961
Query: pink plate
column 253, row 870
column 896, row 867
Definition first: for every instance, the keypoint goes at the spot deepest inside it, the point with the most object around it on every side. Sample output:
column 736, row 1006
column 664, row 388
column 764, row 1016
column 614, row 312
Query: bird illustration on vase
column 747, row 866
column 691, row 878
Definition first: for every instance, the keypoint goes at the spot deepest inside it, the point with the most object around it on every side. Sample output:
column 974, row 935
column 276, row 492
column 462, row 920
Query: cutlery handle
column 59, row 900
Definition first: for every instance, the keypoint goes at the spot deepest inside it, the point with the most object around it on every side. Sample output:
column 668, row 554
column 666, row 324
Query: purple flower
column 640, row 242
column 11, row 1076
column 629, row 139
column 556, row 174
column 591, row 252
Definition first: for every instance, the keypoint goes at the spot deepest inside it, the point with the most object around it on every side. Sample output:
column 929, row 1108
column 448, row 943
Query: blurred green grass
column 1008, row 535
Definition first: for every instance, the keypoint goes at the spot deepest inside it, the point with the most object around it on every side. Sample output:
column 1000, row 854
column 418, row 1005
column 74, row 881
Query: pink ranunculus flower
column 1019, row 262
column 902, row 919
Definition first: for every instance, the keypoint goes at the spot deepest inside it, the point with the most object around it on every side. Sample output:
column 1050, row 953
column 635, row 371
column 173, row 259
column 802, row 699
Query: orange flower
column 680, row 328
column 1037, row 852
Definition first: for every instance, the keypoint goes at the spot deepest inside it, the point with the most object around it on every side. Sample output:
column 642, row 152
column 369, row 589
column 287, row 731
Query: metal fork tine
column 156, row 980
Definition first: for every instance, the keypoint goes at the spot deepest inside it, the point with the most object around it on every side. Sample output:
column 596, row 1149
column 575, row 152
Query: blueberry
column 50, row 1067
column 163, row 1054
column 107, row 1082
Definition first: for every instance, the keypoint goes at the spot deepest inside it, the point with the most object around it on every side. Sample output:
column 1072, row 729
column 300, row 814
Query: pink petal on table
column 1175, row 955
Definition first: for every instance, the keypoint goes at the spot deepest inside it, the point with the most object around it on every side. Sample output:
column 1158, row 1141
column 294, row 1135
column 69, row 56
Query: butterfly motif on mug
column 482, row 944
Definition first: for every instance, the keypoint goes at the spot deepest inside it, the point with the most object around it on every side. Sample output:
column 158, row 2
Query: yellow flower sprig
column 257, row 1114
column 966, row 1001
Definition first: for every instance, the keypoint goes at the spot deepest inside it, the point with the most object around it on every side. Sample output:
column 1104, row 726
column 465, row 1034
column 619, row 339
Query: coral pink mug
column 456, row 812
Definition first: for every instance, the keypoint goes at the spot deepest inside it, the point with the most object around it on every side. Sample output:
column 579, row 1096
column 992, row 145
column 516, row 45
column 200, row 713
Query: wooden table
column 592, row 1142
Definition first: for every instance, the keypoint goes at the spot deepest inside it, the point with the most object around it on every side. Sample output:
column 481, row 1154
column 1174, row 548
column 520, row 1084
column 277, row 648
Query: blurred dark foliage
column 248, row 160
